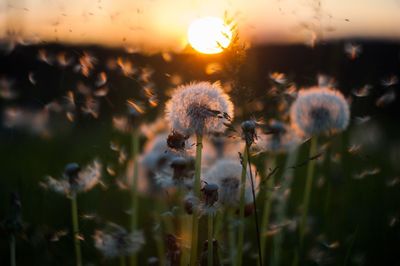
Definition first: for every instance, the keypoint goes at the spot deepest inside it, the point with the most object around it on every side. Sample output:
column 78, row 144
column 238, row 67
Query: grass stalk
column 253, row 193
column 12, row 251
column 134, row 193
column 287, row 178
column 239, row 251
column 210, row 240
column 307, row 195
column 267, row 208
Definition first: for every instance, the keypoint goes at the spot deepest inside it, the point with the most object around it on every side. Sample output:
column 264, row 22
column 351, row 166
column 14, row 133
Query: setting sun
column 209, row 35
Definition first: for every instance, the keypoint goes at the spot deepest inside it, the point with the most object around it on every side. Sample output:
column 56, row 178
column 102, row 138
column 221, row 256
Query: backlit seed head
column 199, row 108
column 226, row 174
column 318, row 111
column 115, row 241
column 210, row 194
column 279, row 138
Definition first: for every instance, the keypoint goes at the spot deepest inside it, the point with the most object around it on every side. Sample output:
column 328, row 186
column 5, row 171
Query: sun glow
column 209, row 35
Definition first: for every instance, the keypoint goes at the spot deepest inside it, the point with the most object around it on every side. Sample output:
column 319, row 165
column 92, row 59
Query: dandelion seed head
column 280, row 138
column 199, row 108
column 226, row 173
column 318, row 111
column 115, row 241
column 75, row 179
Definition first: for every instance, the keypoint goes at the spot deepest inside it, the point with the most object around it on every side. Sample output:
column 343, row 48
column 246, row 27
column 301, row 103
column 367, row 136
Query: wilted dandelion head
column 279, row 138
column 199, row 108
column 75, row 179
column 318, row 111
column 226, row 173
column 115, row 241
column 180, row 172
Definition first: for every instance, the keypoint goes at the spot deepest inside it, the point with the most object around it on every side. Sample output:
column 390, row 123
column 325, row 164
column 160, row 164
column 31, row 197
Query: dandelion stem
column 210, row 240
column 134, row 194
column 12, row 250
column 239, row 251
column 195, row 220
column 308, row 188
column 75, row 229
column 267, row 208
column 122, row 261
column 254, row 205
column 287, row 178
column 230, row 219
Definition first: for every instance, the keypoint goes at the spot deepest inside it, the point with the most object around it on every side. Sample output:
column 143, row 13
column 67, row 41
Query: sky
column 161, row 25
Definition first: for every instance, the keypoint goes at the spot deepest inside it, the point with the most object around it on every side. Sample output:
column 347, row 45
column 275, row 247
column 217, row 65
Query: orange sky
column 161, row 25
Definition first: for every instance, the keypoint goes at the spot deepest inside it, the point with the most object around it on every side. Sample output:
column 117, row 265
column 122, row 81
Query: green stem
column 75, row 229
column 267, row 208
column 134, row 193
column 218, row 225
column 122, row 261
column 308, row 188
column 12, row 250
column 210, row 240
column 239, row 254
column 287, row 178
column 230, row 219
column 195, row 220
column 255, row 207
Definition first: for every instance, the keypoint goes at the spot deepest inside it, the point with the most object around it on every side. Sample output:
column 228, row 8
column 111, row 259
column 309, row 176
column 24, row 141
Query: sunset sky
column 161, row 25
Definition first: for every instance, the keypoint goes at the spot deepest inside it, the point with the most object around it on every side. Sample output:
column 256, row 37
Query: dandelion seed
column 86, row 63
column 352, row 50
column 115, row 241
column 279, row 78
column 325, row 81
column 364, row 91
column 63, row 60
column 75, row 179
column 101, row 92
column 101, row 79
column 6, row 89
column 390, row 81
column 199, row 108
column 126, row 67
column 31, row 78
column 45, row 57
column 317, row 111
column 362, row 119
column 386, row 99
column 368, row 172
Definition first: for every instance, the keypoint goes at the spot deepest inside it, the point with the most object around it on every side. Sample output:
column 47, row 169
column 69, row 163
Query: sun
column 209, row 35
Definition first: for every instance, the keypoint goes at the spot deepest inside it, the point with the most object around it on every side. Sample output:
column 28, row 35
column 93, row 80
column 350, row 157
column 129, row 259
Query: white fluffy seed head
column 226, row 173
column 200, row 108
column 86, row 179
column 318, row 111
column 115, row 241
column 282, row 138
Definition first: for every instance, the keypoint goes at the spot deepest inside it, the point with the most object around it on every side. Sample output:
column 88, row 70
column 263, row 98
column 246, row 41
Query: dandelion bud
column 249, row 131
column 71, row 172
column 179, row 165
column 173, row 250
column 210, row 194
column 176, row 140
column 190, row 203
